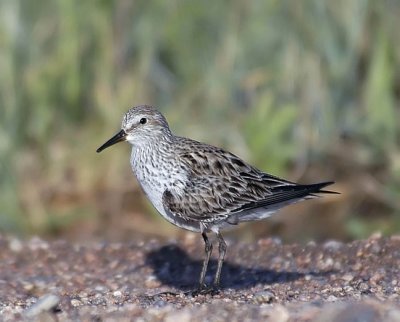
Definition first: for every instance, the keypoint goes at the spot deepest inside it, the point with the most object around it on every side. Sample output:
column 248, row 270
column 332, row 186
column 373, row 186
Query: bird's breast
column 156, row 174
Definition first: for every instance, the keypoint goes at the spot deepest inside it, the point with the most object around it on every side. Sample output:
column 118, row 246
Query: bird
column 200, row 187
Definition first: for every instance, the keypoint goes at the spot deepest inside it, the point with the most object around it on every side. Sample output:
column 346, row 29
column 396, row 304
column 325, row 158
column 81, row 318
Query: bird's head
column 141, row 125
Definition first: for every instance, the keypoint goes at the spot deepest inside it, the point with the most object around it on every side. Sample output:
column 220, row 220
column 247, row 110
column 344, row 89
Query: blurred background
column 307, row 90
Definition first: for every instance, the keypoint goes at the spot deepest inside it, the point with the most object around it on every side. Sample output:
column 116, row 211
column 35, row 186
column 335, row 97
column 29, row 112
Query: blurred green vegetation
column 304, row 89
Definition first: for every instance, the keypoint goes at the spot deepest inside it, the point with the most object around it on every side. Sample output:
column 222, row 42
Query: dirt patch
column 267, row 281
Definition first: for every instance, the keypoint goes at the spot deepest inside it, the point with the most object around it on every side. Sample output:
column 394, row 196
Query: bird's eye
column 143, row 120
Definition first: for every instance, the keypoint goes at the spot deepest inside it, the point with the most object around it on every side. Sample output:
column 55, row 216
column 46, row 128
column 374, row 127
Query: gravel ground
column 265, row 281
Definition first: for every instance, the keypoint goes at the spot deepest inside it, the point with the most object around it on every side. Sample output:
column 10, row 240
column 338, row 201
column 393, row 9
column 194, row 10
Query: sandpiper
column 200, row 187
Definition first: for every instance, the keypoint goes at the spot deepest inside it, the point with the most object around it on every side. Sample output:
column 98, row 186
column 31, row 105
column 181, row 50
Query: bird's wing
column 211, row 198
column 219, row 184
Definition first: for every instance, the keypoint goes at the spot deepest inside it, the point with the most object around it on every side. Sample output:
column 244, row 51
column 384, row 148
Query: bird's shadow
column 174, row 267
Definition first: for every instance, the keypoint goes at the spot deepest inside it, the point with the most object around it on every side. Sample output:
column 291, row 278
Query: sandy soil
column 266, row 281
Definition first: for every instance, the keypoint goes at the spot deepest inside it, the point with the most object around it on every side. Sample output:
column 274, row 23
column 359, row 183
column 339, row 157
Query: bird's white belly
column 154, row 194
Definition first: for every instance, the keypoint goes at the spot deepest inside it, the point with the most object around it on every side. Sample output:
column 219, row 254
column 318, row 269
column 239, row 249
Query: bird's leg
column 222, row 251
column 208, row 250
column 202, row 288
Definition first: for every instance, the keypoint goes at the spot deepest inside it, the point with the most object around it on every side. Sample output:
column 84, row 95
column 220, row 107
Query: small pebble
column 75, row 303
column 262, row 297
column 347, row 277
column 36, row 243
column 332, row 245
column 364, row 287
column 101, row 288
column 46, row 303
column 15, row 245
column 332, row 298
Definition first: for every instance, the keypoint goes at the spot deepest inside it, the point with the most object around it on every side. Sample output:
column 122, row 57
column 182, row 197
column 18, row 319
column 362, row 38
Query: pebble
column 327, row 263
column 375, row 248
column 364, row 287
column 152, row 282
column 395, row 238
column 273, row 241
column 376, row 235
column 75, row 303
column 15, row 245
column 36, row 243
column 101, row 288
column 311, row 243
column 160, row 303
column 47, row 303
column 332, row 245
column 331, row 298
column 347, row 277
column 348, row 289
column 262, row 297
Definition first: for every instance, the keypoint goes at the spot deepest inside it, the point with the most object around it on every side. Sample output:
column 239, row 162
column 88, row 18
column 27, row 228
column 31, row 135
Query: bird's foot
column 201, row 290
column 162, row 296
column 204, row 290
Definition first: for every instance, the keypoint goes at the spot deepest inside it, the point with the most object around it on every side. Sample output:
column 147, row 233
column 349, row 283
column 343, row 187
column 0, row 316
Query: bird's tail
column 303, row 190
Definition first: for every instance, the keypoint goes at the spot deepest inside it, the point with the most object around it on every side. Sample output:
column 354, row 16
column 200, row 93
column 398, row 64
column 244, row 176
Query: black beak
column 119, row 137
